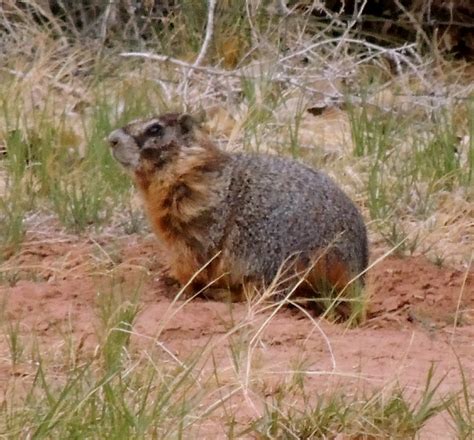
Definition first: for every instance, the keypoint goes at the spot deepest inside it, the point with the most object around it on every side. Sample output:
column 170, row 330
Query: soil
column 420, row 315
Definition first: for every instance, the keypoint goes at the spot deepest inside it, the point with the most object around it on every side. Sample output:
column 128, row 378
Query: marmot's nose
column 115, row 137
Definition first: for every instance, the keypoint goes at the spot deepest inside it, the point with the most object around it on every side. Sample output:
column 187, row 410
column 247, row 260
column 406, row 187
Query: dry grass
column 394, row 126
column 339, row 102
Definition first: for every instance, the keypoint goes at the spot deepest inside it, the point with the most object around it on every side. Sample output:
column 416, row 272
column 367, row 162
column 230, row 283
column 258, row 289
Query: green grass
column 58, row 160
column 411, row 159
column 131, row 387
column 54, row 121
column 110, row 394
column 45, row 169
column 60, row 96
column 11, row 223
column 116, row 318
column 382, row 414
column 461, row 408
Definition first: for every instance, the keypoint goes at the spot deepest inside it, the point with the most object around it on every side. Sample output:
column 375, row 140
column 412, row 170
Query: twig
column 183, row 89
column 104, row 25
column 414, row 22
column 209, row 31
column 350, row 25
column 177, row 62
column 393, row 53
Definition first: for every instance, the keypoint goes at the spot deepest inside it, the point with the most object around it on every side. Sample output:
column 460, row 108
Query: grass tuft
column 387, row 413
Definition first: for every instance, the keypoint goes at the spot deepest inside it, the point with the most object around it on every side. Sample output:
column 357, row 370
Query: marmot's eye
column 154, row 130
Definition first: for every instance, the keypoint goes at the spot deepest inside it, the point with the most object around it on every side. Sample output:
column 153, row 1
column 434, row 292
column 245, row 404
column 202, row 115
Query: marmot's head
column 153, row 143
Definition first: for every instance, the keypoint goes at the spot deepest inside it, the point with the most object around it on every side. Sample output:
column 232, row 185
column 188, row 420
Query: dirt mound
column 402, row 291
column 415, row 290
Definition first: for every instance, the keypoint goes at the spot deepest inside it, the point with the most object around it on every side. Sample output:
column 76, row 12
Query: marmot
column 236, row 219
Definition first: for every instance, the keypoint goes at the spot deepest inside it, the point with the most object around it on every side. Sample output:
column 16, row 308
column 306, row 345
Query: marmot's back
column 284, row 208
column 239, row 216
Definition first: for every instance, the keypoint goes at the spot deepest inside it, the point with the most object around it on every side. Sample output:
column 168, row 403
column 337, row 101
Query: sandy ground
column 420, row 315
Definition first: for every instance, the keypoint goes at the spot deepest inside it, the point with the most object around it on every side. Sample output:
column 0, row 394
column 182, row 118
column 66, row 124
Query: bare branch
column 209, row 31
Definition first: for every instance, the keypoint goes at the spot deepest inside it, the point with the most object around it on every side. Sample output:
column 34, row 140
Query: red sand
column 420, row 314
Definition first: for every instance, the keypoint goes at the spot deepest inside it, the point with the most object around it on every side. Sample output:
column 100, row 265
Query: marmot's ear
column 186, row 122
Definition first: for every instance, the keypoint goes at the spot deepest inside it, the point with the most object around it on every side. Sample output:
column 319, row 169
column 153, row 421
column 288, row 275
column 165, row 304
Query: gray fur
column 264, row 209
column 277, row 208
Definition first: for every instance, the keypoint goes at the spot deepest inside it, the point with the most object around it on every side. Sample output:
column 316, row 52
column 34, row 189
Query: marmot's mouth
column 124, row 161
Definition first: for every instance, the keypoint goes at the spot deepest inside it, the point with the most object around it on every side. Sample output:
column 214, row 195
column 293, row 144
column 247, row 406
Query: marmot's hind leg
column 328, row 286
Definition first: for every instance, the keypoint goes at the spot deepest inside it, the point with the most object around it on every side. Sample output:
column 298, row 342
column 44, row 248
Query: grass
column 59, row 164
column 57, row 160
column 410, row 163
column 461, row 411
column 109, row 394
column 129, row 385
column 404, row 154
column 385, row 413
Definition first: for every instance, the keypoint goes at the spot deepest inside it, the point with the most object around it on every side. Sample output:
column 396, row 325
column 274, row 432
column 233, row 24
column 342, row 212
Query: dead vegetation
column 392, row 121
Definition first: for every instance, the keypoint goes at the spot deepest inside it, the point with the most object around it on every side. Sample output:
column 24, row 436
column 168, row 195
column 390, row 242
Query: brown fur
column 195, row 196
column 174, row 201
